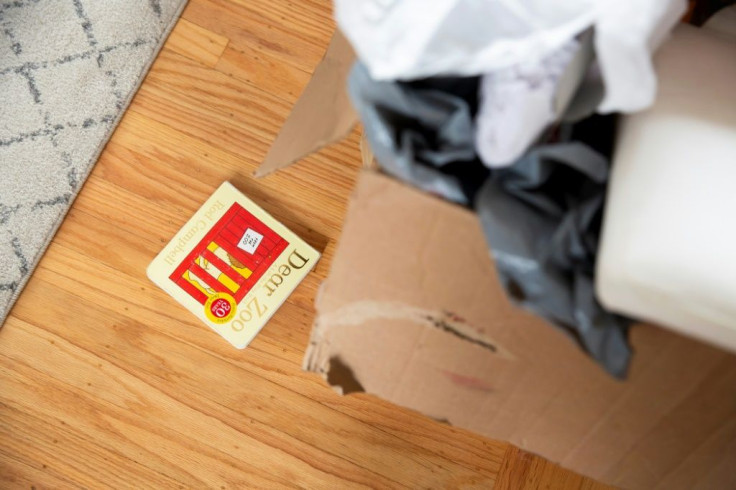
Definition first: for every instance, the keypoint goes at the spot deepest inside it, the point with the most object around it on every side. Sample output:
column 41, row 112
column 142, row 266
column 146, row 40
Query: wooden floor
column 106, row 382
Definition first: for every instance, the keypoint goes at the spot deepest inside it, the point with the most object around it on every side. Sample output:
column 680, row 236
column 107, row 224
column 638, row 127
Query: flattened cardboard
column 412, row 312
column 322, row 115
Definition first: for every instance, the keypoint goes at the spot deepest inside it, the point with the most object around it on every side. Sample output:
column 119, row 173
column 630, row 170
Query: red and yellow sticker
column 220, row 307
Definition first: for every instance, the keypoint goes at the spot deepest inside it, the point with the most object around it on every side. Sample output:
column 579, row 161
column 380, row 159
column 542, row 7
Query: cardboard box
column 412, row 312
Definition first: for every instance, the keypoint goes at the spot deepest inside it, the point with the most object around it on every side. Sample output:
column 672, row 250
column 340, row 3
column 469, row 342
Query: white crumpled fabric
column 627, row 32
column 410, row 39
column 516, row 104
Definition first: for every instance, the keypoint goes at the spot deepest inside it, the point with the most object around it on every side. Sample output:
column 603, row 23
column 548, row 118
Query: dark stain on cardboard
column 441, row 420
column 446, row 327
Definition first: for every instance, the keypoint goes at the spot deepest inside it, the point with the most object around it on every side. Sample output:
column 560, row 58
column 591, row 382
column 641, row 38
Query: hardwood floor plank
column 196, row 43
column 525, row 471
column 248, row 64
column 293, row 33
column 22, row 473
column 244, row 403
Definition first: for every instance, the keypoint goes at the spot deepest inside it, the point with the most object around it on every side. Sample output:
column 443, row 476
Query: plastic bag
column 422, row 132
column 542, row 219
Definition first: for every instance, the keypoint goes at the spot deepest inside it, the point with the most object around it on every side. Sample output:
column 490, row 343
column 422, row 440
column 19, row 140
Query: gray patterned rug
column 68, row 69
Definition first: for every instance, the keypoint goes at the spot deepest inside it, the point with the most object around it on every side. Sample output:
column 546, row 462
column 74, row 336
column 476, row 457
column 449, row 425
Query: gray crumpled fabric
column 422, row 132
column 541, row 215
column 542, row 218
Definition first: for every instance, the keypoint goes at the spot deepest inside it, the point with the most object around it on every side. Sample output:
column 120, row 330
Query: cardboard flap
column 412, row 312
column 322, row 115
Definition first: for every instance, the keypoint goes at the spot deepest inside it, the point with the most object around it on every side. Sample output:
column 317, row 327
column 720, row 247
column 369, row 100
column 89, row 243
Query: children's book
column 232, row 265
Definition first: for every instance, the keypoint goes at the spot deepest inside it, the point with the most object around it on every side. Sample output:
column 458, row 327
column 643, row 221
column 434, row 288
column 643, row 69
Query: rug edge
column 8, row 307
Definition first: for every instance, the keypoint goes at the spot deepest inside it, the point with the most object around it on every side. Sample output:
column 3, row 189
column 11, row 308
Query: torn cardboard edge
column 406, row 259
column 323, row 113
column 395, row 307
column 338, row 373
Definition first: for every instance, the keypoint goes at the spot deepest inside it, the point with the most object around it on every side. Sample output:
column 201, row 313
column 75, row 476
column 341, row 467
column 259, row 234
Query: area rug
column 68, row 69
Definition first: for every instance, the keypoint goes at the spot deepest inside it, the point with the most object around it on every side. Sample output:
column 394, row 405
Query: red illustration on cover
column 231, row 258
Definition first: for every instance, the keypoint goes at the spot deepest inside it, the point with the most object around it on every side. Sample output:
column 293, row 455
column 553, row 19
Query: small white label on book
column 250, row 241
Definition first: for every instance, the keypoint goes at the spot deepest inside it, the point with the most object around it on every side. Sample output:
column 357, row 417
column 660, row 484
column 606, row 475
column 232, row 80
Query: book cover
column 232, row 265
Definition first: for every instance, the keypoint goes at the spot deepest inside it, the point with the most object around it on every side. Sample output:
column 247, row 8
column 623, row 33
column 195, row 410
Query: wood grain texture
column 196, row 43
column 106, row 382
